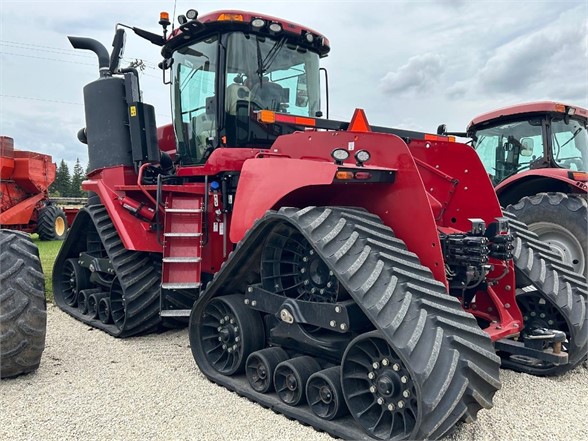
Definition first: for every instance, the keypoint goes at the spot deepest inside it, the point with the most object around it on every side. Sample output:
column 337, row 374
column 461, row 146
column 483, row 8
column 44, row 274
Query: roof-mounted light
column 258, row 23
column 309, row 37
column 275, row 27
column 230, row 17
column 192, row 14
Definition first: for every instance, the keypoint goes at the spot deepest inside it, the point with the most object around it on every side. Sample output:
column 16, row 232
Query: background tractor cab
column 537, row 156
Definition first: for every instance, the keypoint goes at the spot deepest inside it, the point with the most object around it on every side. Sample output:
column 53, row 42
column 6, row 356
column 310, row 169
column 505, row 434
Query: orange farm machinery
column 25, row 178
column 537, row 157
column 360, row 279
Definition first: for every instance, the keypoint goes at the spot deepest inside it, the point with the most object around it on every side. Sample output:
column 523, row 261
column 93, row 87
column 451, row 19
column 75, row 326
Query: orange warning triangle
column 359, row 122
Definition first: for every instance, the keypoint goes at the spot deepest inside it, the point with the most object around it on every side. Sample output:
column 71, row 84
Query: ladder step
column 189, row 285
column 182, row 234
column 181, row 259
column 175, row 313
column 184, row 210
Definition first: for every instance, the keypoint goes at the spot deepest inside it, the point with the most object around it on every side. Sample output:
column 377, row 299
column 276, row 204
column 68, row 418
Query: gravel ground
column 92, row 386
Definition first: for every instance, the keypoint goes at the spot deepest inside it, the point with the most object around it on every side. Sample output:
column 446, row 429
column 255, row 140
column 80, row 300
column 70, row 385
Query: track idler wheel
column 324, row 394
column 260, row 368
column 74, row 278
column 229, row 332
column 291, row 376
column 104, row 311
column 93, row 300
column 379, row 389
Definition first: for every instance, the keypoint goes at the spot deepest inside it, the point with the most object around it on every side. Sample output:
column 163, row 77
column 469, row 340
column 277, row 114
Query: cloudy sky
column 409, row 64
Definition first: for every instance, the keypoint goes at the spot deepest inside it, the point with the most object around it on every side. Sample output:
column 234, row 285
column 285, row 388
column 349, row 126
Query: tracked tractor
column 537, row 157
column 360, row 279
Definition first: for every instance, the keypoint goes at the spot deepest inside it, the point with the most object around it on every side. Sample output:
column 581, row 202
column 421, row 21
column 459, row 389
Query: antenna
column 174, row 18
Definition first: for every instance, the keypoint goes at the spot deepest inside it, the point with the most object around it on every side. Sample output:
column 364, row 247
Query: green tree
column 76, row 181
column 62, row 184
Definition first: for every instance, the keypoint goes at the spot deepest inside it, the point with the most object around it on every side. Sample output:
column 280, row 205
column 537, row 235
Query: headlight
column 258, row 23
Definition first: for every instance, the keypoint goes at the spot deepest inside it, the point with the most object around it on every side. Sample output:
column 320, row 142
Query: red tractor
column 25, row 178
column 360, row 279
column 537, row 157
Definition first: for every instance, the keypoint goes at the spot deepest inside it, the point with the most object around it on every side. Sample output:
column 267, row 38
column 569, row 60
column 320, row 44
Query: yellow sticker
column 133, row 110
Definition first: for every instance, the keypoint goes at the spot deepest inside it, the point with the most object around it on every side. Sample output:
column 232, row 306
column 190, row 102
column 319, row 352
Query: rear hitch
column 540, row 344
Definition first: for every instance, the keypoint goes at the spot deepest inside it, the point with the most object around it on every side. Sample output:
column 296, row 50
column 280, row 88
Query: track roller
column 324, row 394
column 229, row 333
column 74, row 278
column 290, row 379
column 104, row 311
column 260, row 368
column 93, row 299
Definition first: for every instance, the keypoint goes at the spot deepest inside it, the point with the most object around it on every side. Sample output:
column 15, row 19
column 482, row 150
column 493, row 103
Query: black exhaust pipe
column 96, row 47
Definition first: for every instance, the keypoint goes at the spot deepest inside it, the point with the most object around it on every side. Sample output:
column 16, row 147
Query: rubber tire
column 565, row 210
column 23, row 308
column 46, row 223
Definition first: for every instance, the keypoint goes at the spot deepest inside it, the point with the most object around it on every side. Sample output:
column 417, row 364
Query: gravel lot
column 92, row 386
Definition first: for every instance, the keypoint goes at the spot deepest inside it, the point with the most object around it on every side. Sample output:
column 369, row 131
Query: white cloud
column 417, row 76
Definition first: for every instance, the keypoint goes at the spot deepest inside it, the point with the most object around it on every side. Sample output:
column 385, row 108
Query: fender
column 297, row 179
column 532, row 182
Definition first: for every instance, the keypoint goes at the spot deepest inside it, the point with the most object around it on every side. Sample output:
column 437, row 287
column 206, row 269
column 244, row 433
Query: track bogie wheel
column 290, row 379
column 379, row 388
column 74, row 278
column 117, row 304
column 324, row 394
column 104, row 311
column 83, row 301
column 260, row 368
column 229, row 332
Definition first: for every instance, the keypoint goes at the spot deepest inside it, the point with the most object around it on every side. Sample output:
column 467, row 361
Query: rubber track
column 453, row 360
column 138, row 276
column 538, row 265
column 46, row 222
column 23, row 316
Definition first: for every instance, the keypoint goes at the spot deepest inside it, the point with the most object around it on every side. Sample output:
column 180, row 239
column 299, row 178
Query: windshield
column 267, row 74
column 506, row 149
column 260, row 73
column 570, row 144
column 193, row 95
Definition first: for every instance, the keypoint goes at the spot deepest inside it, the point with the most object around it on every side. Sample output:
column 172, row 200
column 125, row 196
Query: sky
column 408, row 64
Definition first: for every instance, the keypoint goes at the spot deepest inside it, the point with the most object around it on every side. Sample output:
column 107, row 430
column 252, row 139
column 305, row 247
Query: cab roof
column 527, row 108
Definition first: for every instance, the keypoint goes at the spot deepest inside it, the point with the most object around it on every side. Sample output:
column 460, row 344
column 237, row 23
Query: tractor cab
column 531, row 136
column 227, row 66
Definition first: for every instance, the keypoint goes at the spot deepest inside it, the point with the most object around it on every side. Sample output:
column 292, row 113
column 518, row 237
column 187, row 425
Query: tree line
column 68, row 185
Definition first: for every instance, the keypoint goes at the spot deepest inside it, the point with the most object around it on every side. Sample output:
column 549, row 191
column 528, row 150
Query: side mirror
column 118, row 48
column 527, row 145
column 442, row 129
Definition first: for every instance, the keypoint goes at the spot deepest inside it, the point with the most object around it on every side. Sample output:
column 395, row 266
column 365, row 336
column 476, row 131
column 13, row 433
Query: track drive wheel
column 560, row 220
column 51, row 223
column 74, row 278
column 23, row 316
column 228, row 333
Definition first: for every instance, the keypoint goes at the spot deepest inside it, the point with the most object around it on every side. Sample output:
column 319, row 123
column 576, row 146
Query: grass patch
column 48, row 252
